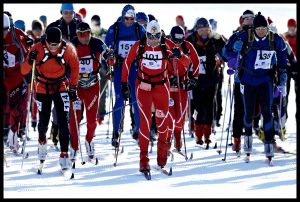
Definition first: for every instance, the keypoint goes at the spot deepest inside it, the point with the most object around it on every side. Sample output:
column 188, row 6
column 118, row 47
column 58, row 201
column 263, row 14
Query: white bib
column 85, row 65
column 263, row 59
column 10, row 58
column 124, row 47
column 77, row 104
column 152, row 59
column 202, row 64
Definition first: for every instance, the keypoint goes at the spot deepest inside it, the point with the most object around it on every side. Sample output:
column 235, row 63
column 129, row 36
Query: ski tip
column 192, row 156
column 170, row 172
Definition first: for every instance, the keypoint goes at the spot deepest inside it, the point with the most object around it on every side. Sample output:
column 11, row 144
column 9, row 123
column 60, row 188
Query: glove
column 111, row 59
column 237, row 46
column 32, row 56
column 282, row 77
column 73, row 94
column 29, row 41
column 125, row 90
column 176, row 52
column 191, row 84
column 173, row 81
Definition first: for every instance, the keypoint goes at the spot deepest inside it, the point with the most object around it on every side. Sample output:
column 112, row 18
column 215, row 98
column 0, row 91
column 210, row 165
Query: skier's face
column 37, row 33
column 68, row 16
column 292, row 30
column 248, row 21
column 84, row 37
column 203, row 31
column 53, row 47
column 261, row 31
column 128, row 21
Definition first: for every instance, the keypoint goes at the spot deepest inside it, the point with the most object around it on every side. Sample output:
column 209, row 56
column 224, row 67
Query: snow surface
column 206, row 176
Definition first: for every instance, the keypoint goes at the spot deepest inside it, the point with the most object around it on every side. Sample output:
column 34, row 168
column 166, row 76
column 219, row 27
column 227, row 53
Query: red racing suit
column 14, row 82
column 152, row 87
column 178, row 105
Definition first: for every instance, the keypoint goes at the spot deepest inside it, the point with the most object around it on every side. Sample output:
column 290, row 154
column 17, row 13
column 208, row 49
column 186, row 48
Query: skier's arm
column 129, row 60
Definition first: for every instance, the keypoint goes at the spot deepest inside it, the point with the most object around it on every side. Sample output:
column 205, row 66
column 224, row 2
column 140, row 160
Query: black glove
column 32, row 56
column 191, row 84
column 73, row 94
column 125, row 90
column 173, row 82
column 176, row 52
column 29, row 41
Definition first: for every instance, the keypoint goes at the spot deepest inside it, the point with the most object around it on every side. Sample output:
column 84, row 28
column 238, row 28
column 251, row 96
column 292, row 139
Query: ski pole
column 190, row 114
column 279, row 117
column 120, row 133
column 27, row 117
column 228, row 88
column 180, row 104
column 229, row 123
column 78, row 132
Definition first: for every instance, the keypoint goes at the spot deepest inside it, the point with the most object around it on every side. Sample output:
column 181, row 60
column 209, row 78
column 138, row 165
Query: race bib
column 242, row 89
column 152, row 59
column 195, row 115
column 202, row 64
column 124, row 47
column 263, row 59
column 39, row 105
column 77, row 104
column 9, row 60
column 85, row 65
column 66, row 101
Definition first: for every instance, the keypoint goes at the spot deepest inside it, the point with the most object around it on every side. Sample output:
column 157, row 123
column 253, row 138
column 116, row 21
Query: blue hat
column 68, row 7
column 202, row 22
column 20, row 24
column 43, row 18
column 128, row 11
column 213, row 23
column 143, row 16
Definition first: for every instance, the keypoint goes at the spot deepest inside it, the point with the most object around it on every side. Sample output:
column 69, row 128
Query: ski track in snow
column 206, row 176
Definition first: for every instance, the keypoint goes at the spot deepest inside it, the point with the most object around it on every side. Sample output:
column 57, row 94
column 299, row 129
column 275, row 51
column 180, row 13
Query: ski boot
column 13, row 141
column 42, row 150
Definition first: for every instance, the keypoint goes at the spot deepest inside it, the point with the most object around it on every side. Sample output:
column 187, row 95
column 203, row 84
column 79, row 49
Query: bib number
column 152, row 59
column 202, row 64
column 124, row 47
column 263, row 59
column 85, row 65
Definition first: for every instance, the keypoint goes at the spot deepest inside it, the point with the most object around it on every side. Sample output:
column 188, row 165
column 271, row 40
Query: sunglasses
column 261, row 29
column 83, row 34
column 67, row 12
column 153, row 36
column 129, row 18
column 177, row 41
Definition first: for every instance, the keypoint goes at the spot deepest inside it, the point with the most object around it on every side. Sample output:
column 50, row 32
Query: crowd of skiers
column 166, row 77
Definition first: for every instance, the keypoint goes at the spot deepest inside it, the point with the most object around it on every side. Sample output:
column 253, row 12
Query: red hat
column 269, row 20
column 82, row 11
column 179, row 17
column 241, row 20
column 292, row 23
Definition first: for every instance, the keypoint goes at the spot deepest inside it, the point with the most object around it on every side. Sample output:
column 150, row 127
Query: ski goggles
column 177, row 41
column 83, row 34
column 129, row 18
column 68, row 12
column 261, row 29
column 153, row 36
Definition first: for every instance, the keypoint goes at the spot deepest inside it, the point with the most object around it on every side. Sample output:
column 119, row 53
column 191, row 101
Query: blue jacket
column 257, row 60
column 125, row 39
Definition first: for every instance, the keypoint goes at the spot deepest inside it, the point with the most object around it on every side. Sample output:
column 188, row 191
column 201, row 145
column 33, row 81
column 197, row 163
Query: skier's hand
column 191, row 84
column 73, row 94
column 176, row 52
column 32, row 56
column 125, row 90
